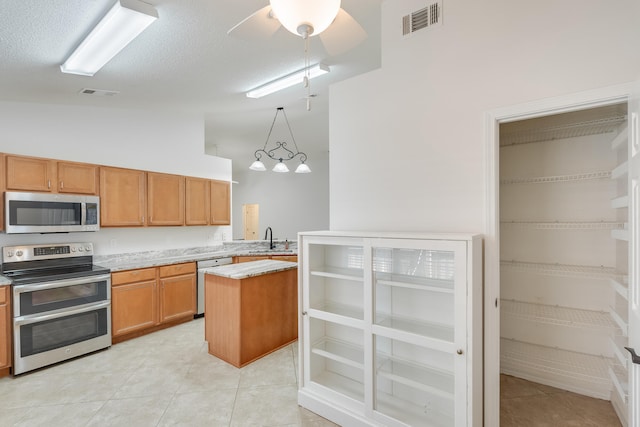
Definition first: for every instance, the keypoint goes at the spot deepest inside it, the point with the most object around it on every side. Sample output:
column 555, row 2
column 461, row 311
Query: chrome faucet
column 269, row 232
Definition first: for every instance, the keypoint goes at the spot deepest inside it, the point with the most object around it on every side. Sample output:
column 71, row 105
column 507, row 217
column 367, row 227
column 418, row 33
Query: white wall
column 417, row 124
column 146, row 140
column 289, row 202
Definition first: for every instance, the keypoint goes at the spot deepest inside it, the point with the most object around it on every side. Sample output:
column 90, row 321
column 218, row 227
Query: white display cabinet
column 391, row 328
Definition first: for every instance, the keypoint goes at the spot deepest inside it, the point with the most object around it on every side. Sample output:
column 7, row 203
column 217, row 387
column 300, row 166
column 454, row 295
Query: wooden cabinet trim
column 131, row 276
column 177, row 269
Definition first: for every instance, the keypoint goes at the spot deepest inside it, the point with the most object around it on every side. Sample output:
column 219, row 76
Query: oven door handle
column 35, row 318
column 20, row 289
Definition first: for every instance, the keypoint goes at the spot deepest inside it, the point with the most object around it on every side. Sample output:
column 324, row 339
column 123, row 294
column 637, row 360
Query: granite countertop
column 4, row 281
column 245, row 270
column 136, row 260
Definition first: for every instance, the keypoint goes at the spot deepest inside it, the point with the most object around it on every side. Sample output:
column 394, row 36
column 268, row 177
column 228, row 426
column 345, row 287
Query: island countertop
column 250, row 269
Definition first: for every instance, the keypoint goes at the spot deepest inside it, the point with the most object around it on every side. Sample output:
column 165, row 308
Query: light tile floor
column 528, row 404
column 162, row 379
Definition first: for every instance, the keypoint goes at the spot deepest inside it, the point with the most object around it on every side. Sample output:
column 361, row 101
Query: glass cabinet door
column 415, row 319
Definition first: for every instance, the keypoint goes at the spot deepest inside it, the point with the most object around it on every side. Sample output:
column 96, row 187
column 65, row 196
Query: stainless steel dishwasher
column 202, row 265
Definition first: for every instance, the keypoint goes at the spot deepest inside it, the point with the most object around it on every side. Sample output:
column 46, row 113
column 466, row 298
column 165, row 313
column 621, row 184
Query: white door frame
column 493, row 118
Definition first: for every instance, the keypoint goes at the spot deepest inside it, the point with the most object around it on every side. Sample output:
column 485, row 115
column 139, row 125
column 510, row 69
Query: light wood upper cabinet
column 122, row 197
column 77, row 178
column 3, row 187
column 30, row 174
column 197, row 201
column 165, row 204
column 220, row 203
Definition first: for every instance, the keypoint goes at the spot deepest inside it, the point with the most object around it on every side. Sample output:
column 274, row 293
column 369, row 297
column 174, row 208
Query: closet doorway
column 564, row 244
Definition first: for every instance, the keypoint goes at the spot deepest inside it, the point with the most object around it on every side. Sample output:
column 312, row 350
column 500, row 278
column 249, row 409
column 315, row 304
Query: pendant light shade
column 313, row 16
column 280, row 167
column 280, row 152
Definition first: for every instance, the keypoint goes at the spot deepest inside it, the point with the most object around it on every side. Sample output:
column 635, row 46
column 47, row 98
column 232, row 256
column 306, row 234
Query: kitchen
column 534, row 66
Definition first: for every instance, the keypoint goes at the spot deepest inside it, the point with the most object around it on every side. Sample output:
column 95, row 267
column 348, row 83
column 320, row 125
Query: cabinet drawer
column 4, row 294
column 177, row 269
column 130, row 276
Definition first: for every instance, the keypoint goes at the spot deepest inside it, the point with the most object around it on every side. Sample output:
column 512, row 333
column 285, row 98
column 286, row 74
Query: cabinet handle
column 61, row 185
column 48, row 183
column 304, row 313
column 459, row 351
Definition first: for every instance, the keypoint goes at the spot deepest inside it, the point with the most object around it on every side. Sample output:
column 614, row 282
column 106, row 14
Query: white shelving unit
column 564, row 243
column 391, row 328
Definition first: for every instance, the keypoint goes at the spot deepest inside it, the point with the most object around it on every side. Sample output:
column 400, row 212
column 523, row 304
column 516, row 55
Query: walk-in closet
column 564, row 252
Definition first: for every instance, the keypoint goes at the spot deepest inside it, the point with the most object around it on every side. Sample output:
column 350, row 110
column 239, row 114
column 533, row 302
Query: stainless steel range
column 61, row 303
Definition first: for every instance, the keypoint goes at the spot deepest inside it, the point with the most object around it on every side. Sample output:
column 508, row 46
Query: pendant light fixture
column 280, row 152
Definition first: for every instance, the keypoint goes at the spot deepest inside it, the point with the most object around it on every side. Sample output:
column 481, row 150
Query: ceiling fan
column 337, row 30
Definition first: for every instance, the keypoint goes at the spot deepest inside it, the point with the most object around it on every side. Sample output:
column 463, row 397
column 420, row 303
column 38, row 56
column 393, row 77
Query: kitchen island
column 250, row 309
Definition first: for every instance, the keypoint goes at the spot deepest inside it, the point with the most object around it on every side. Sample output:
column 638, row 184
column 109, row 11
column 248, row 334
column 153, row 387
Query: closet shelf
column 620, row 171
column 562, row 270
column 574, row 371
column 620, row 234
column 621, row 319
column 570, row 225
column 620, row 382
column 570, row 130
column 621, row 286
column 557, row 178
column 556, row 315
column 618, row 342
column 620, row 202
column 621, row 139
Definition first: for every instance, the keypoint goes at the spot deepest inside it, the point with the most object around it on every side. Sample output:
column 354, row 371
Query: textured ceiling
column 184, row 61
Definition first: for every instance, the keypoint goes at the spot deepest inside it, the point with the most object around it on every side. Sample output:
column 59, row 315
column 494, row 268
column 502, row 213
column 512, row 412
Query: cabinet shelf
column 561, row 270
column 558, row 225
column 587, row 176
column 620, row 202
column 430, row 331
column 333, row 311
column 412, row 414
column 415, row 376
column 339, row 273
column 578, row 372
column 414, row 282
column 555, row 315
column 339, row 351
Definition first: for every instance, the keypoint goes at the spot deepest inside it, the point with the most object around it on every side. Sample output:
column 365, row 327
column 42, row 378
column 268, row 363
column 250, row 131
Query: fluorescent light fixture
column 123, row 23
column 288, row 80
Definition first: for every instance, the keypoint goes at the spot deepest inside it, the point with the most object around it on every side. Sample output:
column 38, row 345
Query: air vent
column 423, row 18
column 99, row 92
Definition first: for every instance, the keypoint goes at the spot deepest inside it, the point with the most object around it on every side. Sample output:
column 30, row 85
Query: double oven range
column 61, row 303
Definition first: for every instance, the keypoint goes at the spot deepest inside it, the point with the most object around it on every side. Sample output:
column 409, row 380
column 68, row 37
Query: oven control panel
column 38, row 252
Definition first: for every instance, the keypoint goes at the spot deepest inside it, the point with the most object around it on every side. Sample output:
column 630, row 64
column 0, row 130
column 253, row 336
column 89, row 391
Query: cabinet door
column 5, row 328
column 134, row 307
column 220, row 203
column 177, row 297
column 77, row 178
column 3, row 187
column 30, row 174
column 197, row 201
column 122, row 197
column 165, row 204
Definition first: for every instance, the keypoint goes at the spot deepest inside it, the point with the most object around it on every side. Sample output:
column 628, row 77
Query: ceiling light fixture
column 305, row 18
column 123, row 23
column 280, row 153
column 288, row 80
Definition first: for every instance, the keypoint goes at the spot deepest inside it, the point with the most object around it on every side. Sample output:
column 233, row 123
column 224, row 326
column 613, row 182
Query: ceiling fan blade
column 343, row 34
column 260, row 24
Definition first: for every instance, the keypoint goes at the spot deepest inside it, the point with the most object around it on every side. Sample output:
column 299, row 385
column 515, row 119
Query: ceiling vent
column 99, row 92
column 423, row 18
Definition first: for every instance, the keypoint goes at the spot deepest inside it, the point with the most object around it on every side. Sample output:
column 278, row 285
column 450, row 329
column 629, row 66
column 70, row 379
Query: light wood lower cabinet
column 5, row 330
column 134, row 301
column 148, row 299
column 177, row 291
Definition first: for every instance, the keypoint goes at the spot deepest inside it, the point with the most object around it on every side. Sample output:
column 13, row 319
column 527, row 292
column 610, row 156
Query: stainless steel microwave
column 50, row 213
